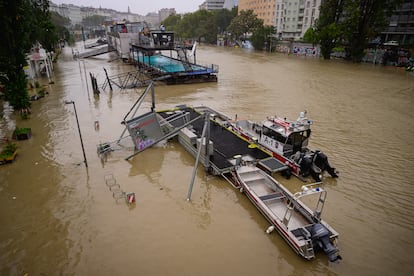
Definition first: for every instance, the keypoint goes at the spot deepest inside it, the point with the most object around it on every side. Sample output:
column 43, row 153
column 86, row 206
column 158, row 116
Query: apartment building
column 291, row 18
column 401, row 27
column 218, row 4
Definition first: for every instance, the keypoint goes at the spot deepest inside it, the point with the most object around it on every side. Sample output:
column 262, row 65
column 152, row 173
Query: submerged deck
column 226, row 144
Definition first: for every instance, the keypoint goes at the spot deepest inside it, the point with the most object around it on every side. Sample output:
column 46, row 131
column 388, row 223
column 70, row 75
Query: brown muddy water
column 58, row 217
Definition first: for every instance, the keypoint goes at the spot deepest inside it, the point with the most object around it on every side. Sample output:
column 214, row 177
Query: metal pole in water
column 206, row 118
column 107, row 78
column 80, row 134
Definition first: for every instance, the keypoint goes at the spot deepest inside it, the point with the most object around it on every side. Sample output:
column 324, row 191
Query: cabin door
column 296, row 142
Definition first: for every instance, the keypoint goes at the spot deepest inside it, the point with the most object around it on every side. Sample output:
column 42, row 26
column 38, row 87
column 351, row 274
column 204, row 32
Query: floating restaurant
column 155, row 53
column 149, row 56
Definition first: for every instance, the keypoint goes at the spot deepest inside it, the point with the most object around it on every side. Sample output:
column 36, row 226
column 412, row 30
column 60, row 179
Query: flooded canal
column 58, row 217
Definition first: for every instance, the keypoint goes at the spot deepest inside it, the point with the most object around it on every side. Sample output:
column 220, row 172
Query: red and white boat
column 288, row 142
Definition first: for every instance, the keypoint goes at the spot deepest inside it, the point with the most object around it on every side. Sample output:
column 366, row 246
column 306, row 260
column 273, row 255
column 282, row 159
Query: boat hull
column 282, row 230
column 293, row 220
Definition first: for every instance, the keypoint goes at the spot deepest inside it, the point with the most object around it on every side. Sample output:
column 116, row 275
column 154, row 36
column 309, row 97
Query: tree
column 364, row 19
column 201, row 24
column 245, row 22
column 61, row 24
column 310, row 36
column 23, row 23
column 262, row 37
column 223, row 18
column 328, row 28
column 172, row 22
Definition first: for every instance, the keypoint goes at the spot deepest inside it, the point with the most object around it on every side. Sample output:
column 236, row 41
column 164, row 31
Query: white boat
column 302, row 228
column 121, row 35
column 288, row 142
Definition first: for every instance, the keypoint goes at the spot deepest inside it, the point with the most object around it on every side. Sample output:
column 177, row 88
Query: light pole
column 80, row 135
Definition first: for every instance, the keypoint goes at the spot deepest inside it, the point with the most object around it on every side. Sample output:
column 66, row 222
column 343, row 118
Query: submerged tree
column 310, row 36
column 364, row 20
column 328, row 28
column 262, row 37
column 352, row 22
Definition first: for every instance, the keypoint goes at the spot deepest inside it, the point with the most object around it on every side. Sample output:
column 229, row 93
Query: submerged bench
column 272, row 196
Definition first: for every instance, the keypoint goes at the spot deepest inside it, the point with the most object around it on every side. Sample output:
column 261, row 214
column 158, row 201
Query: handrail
column 310, row 189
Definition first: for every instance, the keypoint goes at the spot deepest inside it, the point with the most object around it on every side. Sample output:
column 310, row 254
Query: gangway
column 95, row 44
column 131, row 79
column 95, row 52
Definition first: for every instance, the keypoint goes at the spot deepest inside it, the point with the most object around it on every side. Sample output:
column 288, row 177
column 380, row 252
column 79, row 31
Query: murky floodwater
column 59, row 218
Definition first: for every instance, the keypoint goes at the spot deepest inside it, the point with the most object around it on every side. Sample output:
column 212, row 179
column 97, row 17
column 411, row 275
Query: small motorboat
column 302, row 228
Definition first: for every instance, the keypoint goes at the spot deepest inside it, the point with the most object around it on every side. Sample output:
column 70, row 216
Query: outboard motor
column 320, row 236
column 321, row 160
column 307, row 167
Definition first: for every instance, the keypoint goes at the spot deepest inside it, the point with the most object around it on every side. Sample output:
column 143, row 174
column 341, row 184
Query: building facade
column 218, row 4
column 291, row 18
column 401, row 27
column 164, row 13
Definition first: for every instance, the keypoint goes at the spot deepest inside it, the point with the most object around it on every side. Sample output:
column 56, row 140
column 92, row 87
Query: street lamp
column 80, row 135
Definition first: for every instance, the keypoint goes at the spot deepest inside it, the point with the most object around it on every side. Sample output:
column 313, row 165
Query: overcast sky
column 141, row 7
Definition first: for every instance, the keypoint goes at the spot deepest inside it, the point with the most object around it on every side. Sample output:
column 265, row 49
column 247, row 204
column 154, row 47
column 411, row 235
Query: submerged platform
column 205, row 133
column 226, row 148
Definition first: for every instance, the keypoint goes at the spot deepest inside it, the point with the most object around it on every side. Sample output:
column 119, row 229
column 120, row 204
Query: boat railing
column 310, row 189
column 174, row 117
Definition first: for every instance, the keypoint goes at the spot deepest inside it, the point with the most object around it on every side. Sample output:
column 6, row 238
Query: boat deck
column 226, row 143
column 274, row 199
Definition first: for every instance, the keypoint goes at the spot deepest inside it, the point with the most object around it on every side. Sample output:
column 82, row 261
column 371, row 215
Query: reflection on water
column 60, row 218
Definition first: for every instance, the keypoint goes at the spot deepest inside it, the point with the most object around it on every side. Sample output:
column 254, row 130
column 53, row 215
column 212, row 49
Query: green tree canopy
column 201, row 24
column 328, row 27
column 353, row 23
column 61, row 24
column 172, row 22
column 364, row 20
column 23, row 23
column 310, row 36
column 245, row 22
column 262, row 37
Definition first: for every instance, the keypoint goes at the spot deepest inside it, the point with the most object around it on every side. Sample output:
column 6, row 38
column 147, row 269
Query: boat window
column 296, row 139
column 274, row 135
